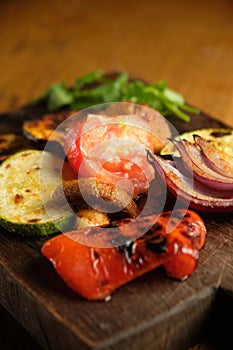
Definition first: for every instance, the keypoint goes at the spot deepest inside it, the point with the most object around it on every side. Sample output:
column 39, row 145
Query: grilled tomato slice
column 112, row 149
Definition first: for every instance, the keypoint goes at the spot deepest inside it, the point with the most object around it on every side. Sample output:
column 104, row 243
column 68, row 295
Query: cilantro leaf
column 58, row 96
column 96, row 88
column 90, row 78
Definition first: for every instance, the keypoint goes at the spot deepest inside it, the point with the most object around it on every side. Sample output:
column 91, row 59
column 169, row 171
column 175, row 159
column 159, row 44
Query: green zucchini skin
column 42, row 229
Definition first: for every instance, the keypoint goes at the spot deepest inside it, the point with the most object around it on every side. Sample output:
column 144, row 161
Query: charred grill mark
column 34, row 220
column 127, row 250
column 158, row 227
column 130, row 248
column 191, row 233
column 186, row 234
column 111, row 235
column 131, row 256
column 165, row 214
column 26, row 154
column 153, row 231
column 119, row 223
column 193, row 239
column 219, row 134
column 18, row 198
column 113, row 225
column 123, row 251
column 103, row 283
column 157, row 243
column 96, row 255
column 187, row 223
column 37, row 167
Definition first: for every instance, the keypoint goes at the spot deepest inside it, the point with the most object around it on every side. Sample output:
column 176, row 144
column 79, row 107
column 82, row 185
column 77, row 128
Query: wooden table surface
column 187, row 43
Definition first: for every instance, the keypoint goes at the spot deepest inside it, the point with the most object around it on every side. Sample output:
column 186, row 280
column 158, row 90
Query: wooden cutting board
column 153, row 312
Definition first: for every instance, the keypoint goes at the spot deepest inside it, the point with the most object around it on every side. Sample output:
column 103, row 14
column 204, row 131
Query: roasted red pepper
column 95, row 272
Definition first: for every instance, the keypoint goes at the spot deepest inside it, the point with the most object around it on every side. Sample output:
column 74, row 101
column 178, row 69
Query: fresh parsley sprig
column 96, row 88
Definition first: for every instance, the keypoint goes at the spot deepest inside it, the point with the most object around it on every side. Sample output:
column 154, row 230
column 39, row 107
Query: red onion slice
column 217, row 159
column 198, row 195
column 195, row 163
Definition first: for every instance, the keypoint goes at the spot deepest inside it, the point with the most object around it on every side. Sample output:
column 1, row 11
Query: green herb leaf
column 58, row 96
column 96, row 88
column 173, row 96
column 88, row 79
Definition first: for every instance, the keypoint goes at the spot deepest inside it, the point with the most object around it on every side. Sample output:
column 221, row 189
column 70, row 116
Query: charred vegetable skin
column 95, row 273
column 95, row 189
column 43, row 128
column 204, row 182
column 10, row 144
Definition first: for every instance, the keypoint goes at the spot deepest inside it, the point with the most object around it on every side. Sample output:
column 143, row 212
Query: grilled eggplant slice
column 42, row 129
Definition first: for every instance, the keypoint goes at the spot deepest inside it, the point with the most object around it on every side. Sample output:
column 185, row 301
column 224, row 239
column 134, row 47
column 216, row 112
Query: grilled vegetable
column 101, row 195
column 215, row 158
column 10, row 144
column 90, row 217
column 42, row 129
column 195, row 163
column 220, row 138
column 27, row 181
column 139, row 117
column 113, row 148
column 95, row 272
column 192, row 192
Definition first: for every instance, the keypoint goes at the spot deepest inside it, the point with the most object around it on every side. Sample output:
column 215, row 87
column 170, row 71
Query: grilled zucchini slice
column 27, row 181
column 221, row 138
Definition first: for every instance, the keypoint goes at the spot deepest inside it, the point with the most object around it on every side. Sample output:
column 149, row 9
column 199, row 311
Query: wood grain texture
column 13, row 335
column 153, row 312
column 187, row 43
